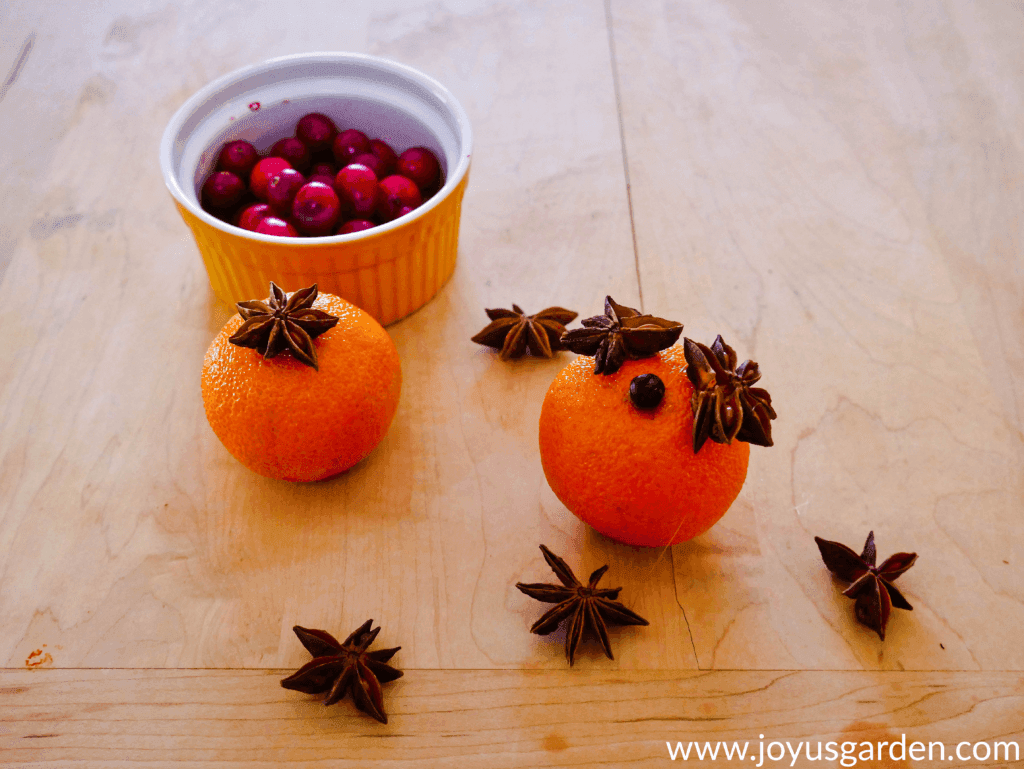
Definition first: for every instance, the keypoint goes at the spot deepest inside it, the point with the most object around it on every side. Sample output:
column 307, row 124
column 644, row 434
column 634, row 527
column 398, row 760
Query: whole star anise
column 725, row 405
column 512, row 331
column 872, row 586
column 283, row 323
column 337, row 668
column 621, row 333
column 584, row 606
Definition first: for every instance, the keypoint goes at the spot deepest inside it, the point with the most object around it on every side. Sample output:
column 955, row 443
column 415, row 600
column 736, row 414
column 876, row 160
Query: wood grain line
column 19, row 63
column 487, row 719
column 622, row 141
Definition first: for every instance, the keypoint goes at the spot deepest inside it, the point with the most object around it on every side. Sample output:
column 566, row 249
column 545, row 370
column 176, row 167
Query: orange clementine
column 286, row 420
column 632, row 473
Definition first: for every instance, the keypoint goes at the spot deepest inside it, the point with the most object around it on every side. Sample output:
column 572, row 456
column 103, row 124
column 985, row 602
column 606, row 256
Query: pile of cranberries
column 321, row 181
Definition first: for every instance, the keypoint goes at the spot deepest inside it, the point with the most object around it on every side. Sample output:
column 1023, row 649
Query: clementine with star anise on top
column 618, row 449
column 300, row 387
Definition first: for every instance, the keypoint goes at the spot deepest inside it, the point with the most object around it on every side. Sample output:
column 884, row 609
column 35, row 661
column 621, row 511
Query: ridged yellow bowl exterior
column 389, row 271
column 389, row 274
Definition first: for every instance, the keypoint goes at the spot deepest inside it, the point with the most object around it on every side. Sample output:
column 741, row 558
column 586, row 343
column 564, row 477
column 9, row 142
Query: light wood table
column 835, row 187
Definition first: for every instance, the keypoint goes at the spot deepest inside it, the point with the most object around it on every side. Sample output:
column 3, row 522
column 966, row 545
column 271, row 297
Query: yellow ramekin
column 390, row 270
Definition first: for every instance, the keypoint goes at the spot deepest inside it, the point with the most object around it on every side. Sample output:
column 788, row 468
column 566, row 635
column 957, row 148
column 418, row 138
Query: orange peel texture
column 285, row 420
column 632, row 473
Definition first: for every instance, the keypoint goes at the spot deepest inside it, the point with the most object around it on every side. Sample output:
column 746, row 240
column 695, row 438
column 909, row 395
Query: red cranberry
column 404, row 210
column 395, row 193
column 356, row 186
column 250, row 216
column 294, row 151
column 420, row 165
column 282, row 187
column 348, row 144
column 387, row 157
column 316, row 208
column 263, row 172
column 316, row 130
column 323, row 179
column 646, row 391
column 372, row 162
column 221, row 190
column 354, row 225
column 323, row 169
column 323, row 172
column 238, row 157
column 271, row 225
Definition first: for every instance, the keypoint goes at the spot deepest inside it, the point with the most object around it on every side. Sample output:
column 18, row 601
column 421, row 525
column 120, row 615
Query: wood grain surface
column 93, row 718
column 836, row 188
column 819, row 165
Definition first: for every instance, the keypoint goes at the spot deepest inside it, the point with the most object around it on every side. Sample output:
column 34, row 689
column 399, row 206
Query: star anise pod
column 725, row 405
column 512, row 331
column 337, row 668
column 621, row 333
column 872, row 586
column 584, row 606
column 283, row 323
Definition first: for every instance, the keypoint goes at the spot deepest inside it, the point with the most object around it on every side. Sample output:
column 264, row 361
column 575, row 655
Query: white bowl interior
column 262, row 104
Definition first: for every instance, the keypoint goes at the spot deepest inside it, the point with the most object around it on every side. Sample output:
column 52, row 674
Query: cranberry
column 271, row 225
column 282, row 188
column 356, row 186
column 316, row 130
column 322, row 178
column 387, row 156
column 238, row 157
column 294, row 151
column 646, row 391
column 328, row 180
column 395, row 193
column 221, row 190
column 263, row 172
column 323, row 169
column 420, row 165
column 354, row 225
column 250, row 216
column 372, row 162
column 323, row 172
column 404, row 210
column 316, row 208
column 348, row 144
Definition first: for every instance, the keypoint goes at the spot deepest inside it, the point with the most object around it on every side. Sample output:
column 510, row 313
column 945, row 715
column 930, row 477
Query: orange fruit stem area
column 289, row 421
column 632, row 473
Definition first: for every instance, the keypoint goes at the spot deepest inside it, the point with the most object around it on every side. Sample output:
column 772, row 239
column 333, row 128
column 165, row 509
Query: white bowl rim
column 207, row 91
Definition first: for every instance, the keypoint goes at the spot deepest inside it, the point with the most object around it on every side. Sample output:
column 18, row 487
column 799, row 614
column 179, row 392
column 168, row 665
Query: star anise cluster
column 871, row 585
column 283, row 323
column 585, row 607
column 621, row 333
column 726, row 406
column 513, row 331
column 341, row 668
